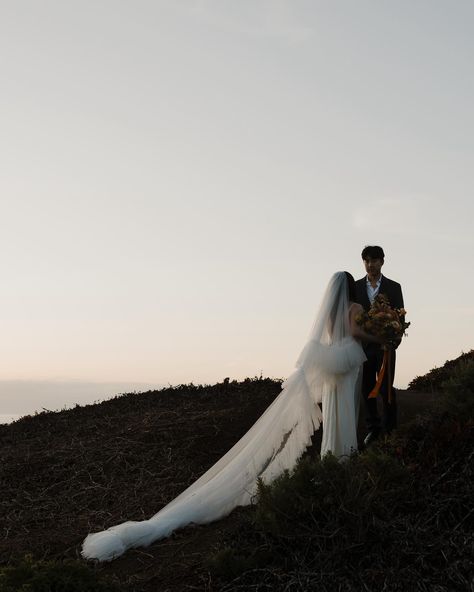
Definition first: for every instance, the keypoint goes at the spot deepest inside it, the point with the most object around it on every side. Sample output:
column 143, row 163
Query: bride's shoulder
column 355, row 307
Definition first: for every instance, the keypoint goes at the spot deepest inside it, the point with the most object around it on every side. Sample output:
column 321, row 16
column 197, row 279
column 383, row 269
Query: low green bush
column 328, row 496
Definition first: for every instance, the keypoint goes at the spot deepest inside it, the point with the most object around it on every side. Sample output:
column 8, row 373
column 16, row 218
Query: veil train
column 272, row 445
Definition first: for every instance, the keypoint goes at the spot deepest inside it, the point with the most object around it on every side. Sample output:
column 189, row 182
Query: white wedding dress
column 327, row 372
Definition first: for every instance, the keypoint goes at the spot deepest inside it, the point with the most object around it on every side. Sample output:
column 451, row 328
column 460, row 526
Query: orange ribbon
column 386, row 366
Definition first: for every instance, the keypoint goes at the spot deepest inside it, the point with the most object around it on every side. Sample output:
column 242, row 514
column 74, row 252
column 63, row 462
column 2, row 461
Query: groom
column 367, row 289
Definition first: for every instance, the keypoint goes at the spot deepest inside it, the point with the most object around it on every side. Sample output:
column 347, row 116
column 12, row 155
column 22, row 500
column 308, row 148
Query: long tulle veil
column 273, row 444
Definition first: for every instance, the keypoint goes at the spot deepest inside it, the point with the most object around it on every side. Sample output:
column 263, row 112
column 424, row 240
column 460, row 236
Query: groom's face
column 373, row 267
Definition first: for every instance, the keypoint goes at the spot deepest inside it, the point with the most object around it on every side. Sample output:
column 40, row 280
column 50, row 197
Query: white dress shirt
column 372, row 292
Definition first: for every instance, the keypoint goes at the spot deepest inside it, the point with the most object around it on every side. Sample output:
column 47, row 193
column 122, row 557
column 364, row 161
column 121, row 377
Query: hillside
column 80, row 470
column 68, row 473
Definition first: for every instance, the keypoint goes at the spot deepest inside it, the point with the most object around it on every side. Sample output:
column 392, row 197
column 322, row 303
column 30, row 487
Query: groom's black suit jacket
column 374, row 353
column 391, row 289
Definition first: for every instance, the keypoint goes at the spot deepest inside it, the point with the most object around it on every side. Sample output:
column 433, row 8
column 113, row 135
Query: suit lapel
column 386, row 289
column 383, row 286
column 363, row 294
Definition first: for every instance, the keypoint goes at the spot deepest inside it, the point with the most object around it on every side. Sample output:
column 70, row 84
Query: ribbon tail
column 381, row 374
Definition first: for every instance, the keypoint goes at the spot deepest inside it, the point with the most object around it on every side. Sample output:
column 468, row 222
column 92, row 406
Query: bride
column 327, row 373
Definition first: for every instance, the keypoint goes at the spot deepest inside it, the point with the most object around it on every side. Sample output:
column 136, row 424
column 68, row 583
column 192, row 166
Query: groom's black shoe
column 371, row 437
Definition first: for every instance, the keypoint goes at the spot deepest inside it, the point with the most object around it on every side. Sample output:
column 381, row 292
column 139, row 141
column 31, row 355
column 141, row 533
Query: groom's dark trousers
column 374, row 354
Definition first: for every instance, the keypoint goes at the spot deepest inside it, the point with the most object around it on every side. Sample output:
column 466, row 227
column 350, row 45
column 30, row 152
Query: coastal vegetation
column 398, row 516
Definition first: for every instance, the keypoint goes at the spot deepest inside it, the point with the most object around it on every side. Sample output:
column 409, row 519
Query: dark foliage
column 49, row 576
column 434, row 379
column 401, row 514
column 398, row 517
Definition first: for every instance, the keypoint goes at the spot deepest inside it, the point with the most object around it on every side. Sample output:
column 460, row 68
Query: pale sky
column 179, row 180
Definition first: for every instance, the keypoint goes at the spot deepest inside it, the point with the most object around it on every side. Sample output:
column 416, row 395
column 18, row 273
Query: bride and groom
column 324, row 389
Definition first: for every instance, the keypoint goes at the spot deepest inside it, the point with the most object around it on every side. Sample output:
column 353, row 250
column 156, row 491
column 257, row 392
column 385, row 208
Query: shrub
column 328, row 496
column 459, row 391
column 434, row 379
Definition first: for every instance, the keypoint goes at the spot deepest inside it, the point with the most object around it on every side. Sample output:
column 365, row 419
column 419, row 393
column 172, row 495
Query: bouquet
column 384, row 321
column 388, row 323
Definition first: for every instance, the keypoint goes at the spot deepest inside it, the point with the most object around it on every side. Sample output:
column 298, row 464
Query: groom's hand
column 392, row 343
column 396, row 343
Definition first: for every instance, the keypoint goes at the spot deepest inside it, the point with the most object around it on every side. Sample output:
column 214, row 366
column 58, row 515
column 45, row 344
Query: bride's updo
column 351, row 287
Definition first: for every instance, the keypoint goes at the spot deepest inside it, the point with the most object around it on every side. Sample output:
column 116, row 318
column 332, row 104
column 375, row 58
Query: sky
column 180, row 179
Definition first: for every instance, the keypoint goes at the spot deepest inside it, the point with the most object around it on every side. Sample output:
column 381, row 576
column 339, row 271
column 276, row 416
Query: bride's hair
column 330, row 330
column 344, row 293
column 351, row 287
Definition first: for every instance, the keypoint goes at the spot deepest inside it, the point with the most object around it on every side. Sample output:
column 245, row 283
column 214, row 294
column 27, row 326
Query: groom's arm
column 399, row 297
column 398, row 303
column 395, row 295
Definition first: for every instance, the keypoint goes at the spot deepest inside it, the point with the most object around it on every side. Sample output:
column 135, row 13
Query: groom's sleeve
column 398, row 303
column 400, row 297
column 401, row 303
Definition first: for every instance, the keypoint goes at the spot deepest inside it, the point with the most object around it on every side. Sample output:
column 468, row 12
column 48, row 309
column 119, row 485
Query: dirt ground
column 77, row 471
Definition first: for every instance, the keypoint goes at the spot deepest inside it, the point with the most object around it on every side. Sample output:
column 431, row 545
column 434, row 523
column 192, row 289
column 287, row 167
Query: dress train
column 271, row 446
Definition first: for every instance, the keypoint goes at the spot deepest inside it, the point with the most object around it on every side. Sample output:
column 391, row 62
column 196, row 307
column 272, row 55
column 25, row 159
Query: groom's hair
column 372, row 253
